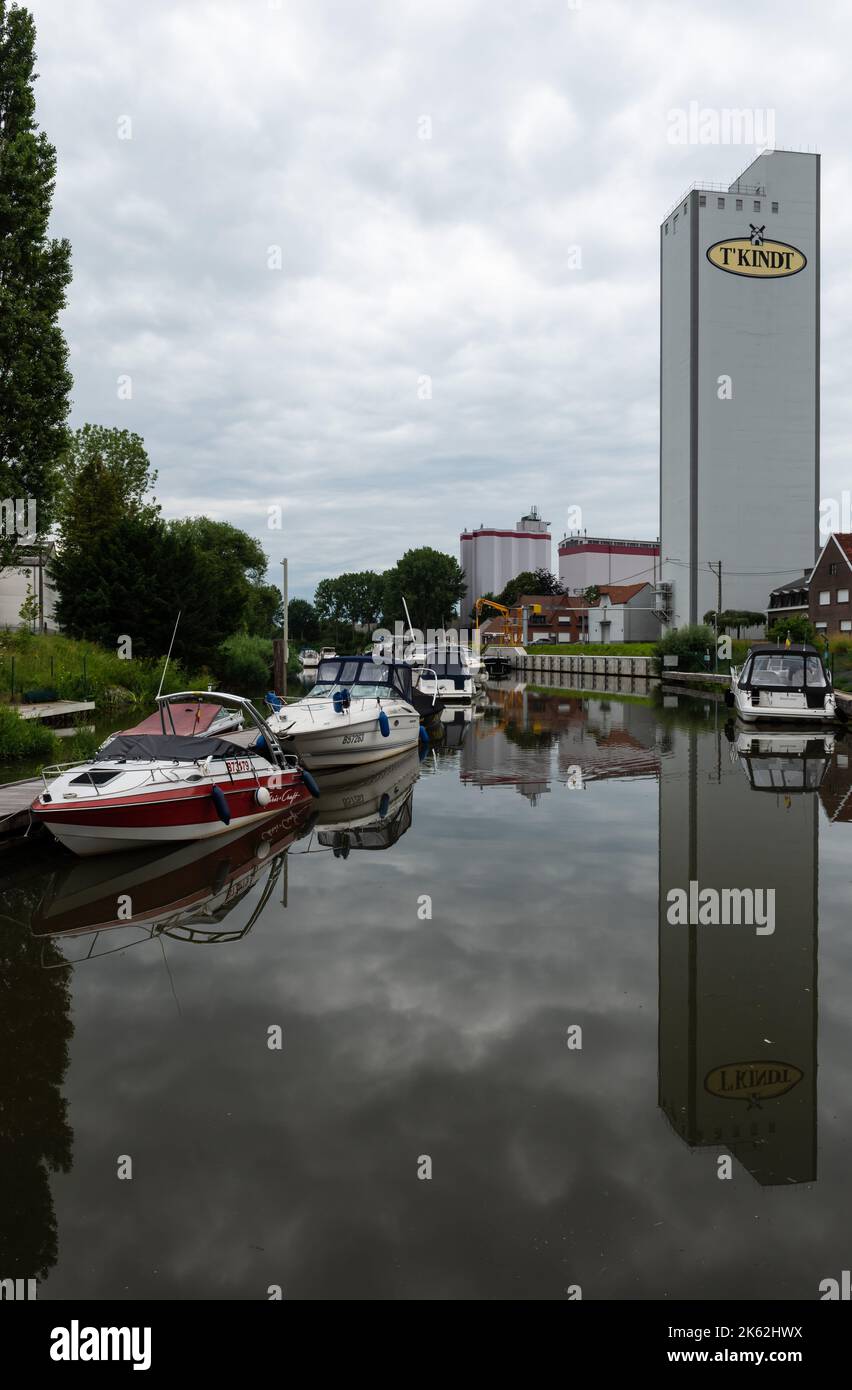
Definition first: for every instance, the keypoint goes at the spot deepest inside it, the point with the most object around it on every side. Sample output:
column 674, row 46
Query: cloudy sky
column 393, row 266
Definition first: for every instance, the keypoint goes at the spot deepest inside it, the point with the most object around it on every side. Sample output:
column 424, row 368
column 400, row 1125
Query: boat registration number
column 353, row 738
column 238, row 764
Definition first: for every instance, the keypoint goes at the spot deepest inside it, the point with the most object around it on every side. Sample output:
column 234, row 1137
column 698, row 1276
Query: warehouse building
column 491, row 557
column 588, row 560
column 739, row 387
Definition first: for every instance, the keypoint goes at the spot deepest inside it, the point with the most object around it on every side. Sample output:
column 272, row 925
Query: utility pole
column 286, row 634
column 716, row 567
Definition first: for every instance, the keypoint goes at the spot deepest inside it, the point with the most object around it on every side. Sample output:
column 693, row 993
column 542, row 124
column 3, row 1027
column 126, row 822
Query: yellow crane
column 512, row 632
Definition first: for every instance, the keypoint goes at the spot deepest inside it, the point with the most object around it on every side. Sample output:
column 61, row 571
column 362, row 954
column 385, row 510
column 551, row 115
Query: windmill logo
column 757, row 234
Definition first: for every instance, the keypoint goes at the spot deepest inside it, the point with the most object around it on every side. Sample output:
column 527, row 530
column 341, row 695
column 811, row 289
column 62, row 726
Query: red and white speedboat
column 145, row 789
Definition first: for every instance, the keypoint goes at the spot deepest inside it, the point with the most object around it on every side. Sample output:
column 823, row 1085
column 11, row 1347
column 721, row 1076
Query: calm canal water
column 547, row 833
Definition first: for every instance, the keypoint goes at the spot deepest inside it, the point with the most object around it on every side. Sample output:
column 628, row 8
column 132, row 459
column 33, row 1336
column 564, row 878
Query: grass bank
column 591, row 649
column 48, row 666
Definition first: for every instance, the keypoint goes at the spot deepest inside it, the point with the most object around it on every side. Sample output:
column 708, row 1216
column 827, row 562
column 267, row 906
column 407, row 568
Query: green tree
column 735, row 619
column 231, row 565
column 35, row 271
column 538, row 582
column 116, row 464
column 431, row 582
column 28, row 611
column 359, row 597
column 302, row 622
column 329, row 604
column 264, row 610
column 797, row 627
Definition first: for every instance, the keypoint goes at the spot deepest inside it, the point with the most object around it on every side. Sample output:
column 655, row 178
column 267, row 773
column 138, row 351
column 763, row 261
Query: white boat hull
column 775, row 707
column 323, row 738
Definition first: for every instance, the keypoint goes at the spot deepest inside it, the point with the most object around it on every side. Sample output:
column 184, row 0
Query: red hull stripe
column 187, row 806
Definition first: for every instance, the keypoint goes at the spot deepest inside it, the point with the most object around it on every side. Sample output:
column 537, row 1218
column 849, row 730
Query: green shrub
column 245, row 664
column 690, row 645
column 797, row 627
column 24, row 738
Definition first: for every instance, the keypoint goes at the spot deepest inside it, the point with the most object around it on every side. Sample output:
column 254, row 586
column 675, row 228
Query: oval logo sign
column 764, row 260
column 752, row 1080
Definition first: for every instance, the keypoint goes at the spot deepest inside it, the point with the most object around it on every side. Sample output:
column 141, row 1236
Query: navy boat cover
column 167, row 748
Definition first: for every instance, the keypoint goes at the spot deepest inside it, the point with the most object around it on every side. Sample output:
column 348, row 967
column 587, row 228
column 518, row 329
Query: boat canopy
column 448, row 666
column 785, row 668
column 364, row 670
column 187, row 719
column 166, row 748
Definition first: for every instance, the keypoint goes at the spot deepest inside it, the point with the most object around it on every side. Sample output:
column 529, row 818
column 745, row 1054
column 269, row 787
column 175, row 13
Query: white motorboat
column 359, row 711
column 153, row 789
column 447, row 677
column 309, row 659
column 787, row 684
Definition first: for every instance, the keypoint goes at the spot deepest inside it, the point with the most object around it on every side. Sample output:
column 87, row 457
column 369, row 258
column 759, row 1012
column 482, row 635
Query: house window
column 685, row 209
column 842, row 595
column 824, row 598
column 774, row 207
column 702, row 200
column 832, row 569
column 820, row 626
column 739, row 205
column 720, row 203
column 846, row 625
column 757, row 205
column 667, row 229
column 674, row 224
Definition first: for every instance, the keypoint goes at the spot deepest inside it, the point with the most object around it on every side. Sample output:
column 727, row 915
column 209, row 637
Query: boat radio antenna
column 168, row 655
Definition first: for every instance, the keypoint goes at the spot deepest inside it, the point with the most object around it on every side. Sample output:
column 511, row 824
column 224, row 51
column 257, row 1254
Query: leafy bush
column 24, row 738
column 797, row 627
column 690, row 645
column 245, row 664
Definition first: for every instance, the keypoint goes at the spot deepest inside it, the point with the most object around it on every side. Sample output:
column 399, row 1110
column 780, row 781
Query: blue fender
column 384, row 805
column 384, row 724
column 310, row 782
column 220, row 801
column 424, row 737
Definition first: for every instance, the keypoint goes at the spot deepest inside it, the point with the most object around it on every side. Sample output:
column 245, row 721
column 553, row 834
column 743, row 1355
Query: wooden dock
column 54, row 709
column 16, row 798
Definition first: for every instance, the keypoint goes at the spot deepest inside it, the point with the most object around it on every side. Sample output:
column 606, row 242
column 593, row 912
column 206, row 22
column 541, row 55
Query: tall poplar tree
column 35, row 271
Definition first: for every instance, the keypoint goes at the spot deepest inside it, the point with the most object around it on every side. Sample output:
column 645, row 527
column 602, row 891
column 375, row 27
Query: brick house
column 789, row 599
column 563, row 617
column 830, row 587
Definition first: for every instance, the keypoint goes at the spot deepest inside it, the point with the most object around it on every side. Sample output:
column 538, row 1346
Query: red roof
column 622, row 593
column 551, row 603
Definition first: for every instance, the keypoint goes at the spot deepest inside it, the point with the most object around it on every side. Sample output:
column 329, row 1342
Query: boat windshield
column 780, row 671
column 358, row 691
